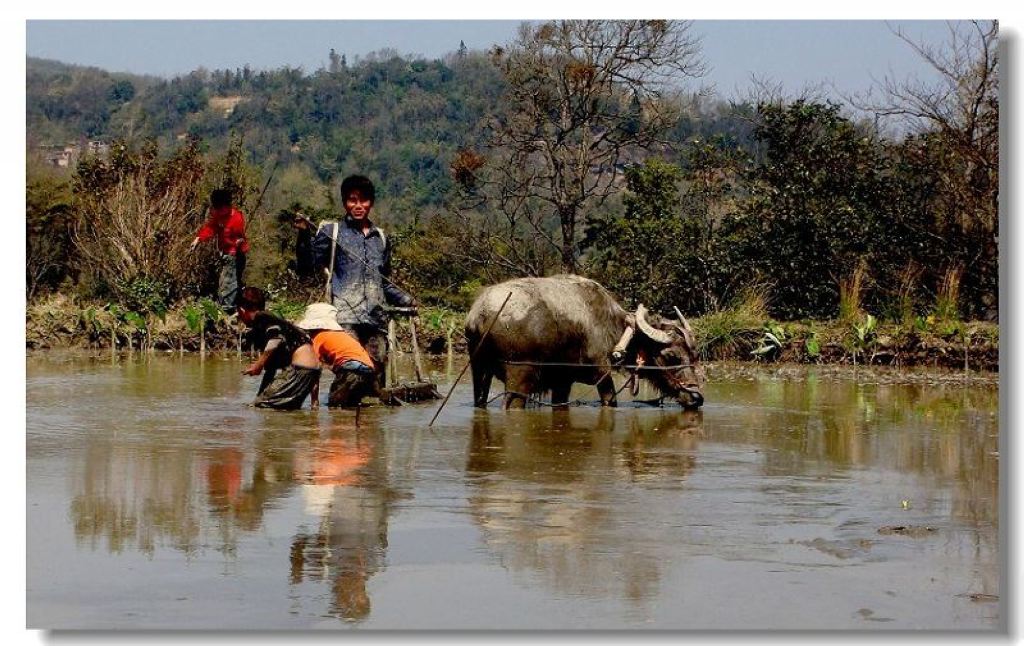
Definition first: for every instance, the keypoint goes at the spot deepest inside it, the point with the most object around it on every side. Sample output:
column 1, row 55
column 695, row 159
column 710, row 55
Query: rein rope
column 533, row 399
column 634, row 370
column 595, row 365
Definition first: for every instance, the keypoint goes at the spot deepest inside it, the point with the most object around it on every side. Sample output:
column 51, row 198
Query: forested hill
column 531, row 161
column 400, row 120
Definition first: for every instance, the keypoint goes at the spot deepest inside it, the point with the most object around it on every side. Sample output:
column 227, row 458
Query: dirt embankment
column 61, row 322
column 955, row 345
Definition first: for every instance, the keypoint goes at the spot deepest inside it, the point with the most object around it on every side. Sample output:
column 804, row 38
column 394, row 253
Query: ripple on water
column 155, row 481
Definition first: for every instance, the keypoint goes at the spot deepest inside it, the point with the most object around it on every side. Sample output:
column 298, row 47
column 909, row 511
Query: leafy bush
column 773, row 341
column 48, row 223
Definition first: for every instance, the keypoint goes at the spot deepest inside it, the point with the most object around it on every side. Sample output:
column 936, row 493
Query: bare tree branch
column 580, row 92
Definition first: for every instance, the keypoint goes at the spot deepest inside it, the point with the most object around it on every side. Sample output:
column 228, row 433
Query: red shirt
column 230, row 232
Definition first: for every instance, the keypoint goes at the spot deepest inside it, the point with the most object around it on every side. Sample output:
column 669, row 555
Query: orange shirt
column 335, row 347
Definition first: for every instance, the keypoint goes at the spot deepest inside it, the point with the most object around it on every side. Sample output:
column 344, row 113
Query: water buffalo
column 564, row 329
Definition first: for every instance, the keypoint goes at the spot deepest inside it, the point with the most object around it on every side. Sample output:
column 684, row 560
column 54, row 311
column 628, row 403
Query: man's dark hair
column 358, row 183
column 252, row 299
column 220, row 198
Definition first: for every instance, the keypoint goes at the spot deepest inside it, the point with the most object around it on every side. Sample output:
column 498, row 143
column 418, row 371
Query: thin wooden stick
column 416, row 351
column 468, row 363
column 392, row 354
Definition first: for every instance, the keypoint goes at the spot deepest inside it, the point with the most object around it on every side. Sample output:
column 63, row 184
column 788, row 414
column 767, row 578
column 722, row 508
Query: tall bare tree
column 954, row 124
column 581, row 95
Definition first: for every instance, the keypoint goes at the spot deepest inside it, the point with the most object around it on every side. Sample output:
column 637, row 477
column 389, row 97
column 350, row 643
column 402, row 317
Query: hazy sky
column 795, row 53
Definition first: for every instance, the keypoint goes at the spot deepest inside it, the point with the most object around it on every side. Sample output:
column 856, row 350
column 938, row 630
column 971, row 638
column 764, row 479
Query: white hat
column 320, row 316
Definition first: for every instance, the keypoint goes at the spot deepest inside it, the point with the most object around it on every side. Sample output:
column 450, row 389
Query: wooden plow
column 396, row 393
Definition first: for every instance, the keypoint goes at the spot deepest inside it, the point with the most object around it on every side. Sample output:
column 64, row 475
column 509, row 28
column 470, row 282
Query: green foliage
column 49, row 222
column 773, row 341
column 145, row 295
column 430, row 262
column 953, row 329
column 441, row 319
column 211, row 311
column 796, row 194
column 814, row 195
column 121, row 91
column 864, row 335
column 135, row 319
column 633, row 254
column 95, row 321
column 68, row 101
column 865, row 329
column 812, row 345
column 194, row 317
column 721, row 334
column 288, row 310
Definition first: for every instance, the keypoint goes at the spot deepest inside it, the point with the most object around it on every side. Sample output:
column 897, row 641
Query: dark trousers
column 350, row 386
column 287, row 388
column 229, row 280
column 376, row 343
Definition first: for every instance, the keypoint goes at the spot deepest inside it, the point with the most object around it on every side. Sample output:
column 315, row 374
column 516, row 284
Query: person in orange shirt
column 350, row 362
column 227, row 225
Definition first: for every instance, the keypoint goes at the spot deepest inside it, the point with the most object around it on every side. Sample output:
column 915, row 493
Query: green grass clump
column 727, row 332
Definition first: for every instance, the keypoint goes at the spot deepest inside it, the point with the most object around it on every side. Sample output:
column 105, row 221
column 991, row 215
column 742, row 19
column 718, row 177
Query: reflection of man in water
column 240, row 490
column 345, row 484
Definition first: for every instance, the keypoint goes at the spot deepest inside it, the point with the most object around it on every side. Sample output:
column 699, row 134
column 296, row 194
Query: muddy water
column 157, row 499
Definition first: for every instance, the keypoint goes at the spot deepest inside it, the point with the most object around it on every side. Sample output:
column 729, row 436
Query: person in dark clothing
column 227, row 225
column 357, row 256
column 290, row 366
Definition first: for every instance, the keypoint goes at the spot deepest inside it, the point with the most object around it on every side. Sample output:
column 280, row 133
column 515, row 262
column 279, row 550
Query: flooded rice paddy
column 157, row 499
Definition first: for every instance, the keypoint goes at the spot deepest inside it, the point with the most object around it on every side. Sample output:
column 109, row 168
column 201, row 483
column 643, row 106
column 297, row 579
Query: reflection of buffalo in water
column 556, row 331
column 553, row 494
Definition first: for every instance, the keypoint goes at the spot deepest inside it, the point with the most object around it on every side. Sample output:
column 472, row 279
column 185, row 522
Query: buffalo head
column 667, row 352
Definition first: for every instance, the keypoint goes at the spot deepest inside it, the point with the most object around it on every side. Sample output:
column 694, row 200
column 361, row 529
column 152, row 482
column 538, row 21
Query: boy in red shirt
column 350, row 362
column 227, row 224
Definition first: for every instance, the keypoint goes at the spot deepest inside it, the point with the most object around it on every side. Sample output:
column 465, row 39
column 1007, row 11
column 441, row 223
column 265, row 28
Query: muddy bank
column 875, row 374
column 61, row 322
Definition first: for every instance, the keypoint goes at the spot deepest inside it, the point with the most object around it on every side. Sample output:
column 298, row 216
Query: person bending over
column 290, row 366
column 351, row 364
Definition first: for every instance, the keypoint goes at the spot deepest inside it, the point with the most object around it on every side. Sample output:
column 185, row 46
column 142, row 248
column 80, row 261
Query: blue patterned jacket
column 362, row 265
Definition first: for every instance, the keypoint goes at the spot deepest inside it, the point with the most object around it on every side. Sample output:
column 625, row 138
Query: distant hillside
column 69, row 102
column 397, row 119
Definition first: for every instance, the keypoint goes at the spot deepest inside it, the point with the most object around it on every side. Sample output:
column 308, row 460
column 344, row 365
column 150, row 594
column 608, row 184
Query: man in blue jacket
column 357, row 255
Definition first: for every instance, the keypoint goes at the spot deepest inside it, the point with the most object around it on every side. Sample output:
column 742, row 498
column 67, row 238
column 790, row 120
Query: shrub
column 48, row 223
column 136, row 216
column 947, row 297
column 722, row 333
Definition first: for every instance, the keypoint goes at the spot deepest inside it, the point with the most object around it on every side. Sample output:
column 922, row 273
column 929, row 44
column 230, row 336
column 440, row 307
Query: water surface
column 158, row 499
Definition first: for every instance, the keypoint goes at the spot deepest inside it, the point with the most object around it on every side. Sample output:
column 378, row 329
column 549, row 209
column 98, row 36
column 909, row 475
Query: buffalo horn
column 682, row 319
column 620, row 348
column 654, row 335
